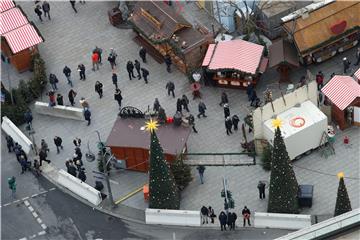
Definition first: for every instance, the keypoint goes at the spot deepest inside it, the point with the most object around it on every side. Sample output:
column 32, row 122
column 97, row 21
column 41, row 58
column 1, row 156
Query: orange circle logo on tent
column 297, row 122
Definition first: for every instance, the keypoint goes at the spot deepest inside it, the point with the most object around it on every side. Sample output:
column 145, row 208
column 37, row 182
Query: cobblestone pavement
column 70, row 38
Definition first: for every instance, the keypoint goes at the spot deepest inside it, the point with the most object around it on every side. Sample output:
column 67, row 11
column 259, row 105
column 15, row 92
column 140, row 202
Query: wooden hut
column 19, row 38
column 161, row 30
column 130, row 142
column 344, row 94
column 234, row 63
column 323, row 29
column 357, row 75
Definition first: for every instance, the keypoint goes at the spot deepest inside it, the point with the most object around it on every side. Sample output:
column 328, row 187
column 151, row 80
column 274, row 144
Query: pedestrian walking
column 319, row 80
column 58, row 144
column 142, row 54
column 118, row 97
column 357, row 55
column 249, row 90
column 261, row 186
column 71, row 95
column 81, row 70
column 95, row 61
column 201, row 170
column 72, row 168
column 43, row 156
column 87, row 115
column 17, row 150
column 52, row 99
column 112, row 60
column 24, row 164
column 9, row 143
column 230, row 220
column 179, row 105
column 137, row 67
column 211, row 214
column 234, row 216
column 114, row 80
column 222, row 220
column 170, row 86
column 12, row 186
column 38, row 12
column 191, row 120
column 346, row 64
column 84, row 103
column 77, row 142
column 99, row 52
column 46, row 8
column 44, row 145
column 78, row 162
column 36, row 167
column 226, row 110
column 168, row 63
column 204, row 215
column 254, row 99
column 60, row 99
column 145, row 74
column 228, row 125
column 67, row 72
column 235, row 121
column 224, row 99
column 156, row 106
column 72, row 2
column 201, row 108
column 130, row 69
column 28, row 118
column 79, row 154
column 53, row 81
column 82, row 175
column 113, row 52
column 185, row 102
column 246, row 215
column 99, row 88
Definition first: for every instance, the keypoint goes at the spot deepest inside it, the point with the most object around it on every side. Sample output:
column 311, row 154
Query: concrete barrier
column 18, row 136
column 78, row 187
column 59, row 111
column 172, row 217
column 282, row 221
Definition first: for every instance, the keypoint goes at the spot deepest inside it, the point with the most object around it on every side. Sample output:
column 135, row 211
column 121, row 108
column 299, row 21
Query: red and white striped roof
column 11, row 20
column 6, row 5
column 208, row 55
column 341, row 90
column 357, row 74
column 235, row 54
column 22, row 38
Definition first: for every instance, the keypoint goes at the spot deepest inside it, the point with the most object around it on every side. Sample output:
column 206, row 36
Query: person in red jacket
column 95, row 60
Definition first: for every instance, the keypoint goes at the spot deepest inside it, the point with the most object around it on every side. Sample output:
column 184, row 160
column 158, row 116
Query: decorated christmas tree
column 343, row 204
column 283, row 184
column 162, row 188
column 181, row 173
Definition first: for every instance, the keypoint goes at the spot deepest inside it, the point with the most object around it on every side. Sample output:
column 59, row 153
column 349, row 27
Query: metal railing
column 220, row 159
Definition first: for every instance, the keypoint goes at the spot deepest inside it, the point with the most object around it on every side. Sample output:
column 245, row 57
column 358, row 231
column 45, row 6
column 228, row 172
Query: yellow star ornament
column 151, row 125
column 340, row 175
column 276, row 123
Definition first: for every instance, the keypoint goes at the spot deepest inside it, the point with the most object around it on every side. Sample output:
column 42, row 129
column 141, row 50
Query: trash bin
column 305, row 195
column 115, row 16
column 146, row 192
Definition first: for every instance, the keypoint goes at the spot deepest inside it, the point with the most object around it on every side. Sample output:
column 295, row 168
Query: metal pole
column 226, row 197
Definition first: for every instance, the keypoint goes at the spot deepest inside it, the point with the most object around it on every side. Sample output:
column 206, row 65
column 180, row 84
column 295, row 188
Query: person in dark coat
column 67, row 73
column 201, row 108
column 99, row 88
column 201, row 170
column 114, row 80
column 261, row 187
column 60, row 99
column 28, row 117
column 9, row 143
column 72, row 169
column 46, row 8
column 72, row 2
column 156, row 106
column 320, row 80
column 179, row 105
column 170, row 86
column 82, row 175
column 234, row 220
column 38, row 12
column 58, row 143
column 185, row 102
column 346, row 64
column 43, row 156
column 222, row 220
column 254, row 99
column 224, row 99
column 53, row 81
column 249, row 90
column 235, row 121
column 17, row 150
column 230, row 220
column 142, row 54
column 81, row 69
column 71, row 96
column 228, row 125
column 118, row 97
column 87, row 115
column 145, row 74
column 191, row 120
column 226, row 110
column 168, row 62
column 130, row 69
column 137, row 67
column 24, row 164
column 246, row 215
column 211, row 214
column 112, row 60
column 204, row 214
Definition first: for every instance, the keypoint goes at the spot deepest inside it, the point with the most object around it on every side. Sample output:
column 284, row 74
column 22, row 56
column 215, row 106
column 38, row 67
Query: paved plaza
column 69, row 40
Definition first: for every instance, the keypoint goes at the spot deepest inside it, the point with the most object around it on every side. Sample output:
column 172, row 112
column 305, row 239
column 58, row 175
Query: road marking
column 33, row 236
column 42, row 192
column 7, row 204
column 52, row 189
column 34, row 195
column 25, row 198
column 43, row 226
column 24, row 238
column 76, row 229
column 35, row 214
column 30, row 208
column 16, row 201
column 41, row 233
column 129, row 195
column 114, row 182
column 39, row 220
column 26, row 203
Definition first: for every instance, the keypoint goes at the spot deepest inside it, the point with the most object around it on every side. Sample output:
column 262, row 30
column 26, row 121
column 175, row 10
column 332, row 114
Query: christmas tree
column 283, row 184
column 343, row 204
column 162, row 188
column 181, row 172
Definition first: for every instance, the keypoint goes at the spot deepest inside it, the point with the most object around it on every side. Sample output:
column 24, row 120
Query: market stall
column 128, row 141
column 234, row 63
column 344, row 94
column 357, row 75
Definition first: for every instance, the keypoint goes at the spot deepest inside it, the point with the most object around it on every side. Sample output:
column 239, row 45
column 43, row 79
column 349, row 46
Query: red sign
column 339, row 27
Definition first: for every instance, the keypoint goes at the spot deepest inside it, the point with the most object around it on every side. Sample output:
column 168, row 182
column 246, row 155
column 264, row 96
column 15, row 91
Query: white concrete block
column 282, row 221
column 59, row 111
column 172, row 217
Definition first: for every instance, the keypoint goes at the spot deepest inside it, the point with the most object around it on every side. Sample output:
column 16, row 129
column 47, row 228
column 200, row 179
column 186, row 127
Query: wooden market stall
column 323, row 29
column 19, row 38
column 235, row 63
column 344, row 94
column 130, row 142
column 357, row 75
column 162, row 30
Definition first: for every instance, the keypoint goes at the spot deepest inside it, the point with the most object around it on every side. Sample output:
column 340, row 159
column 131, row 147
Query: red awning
column 11, row 20
column 263, row 64
column 342, row 91
column 6, row 5
column 357, row 74
column 22, row 38
column 208, row 55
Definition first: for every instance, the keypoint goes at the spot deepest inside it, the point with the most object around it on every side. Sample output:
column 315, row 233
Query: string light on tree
column 343, row 203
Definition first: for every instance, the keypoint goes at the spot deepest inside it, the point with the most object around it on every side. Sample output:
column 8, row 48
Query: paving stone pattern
column 69, row 40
